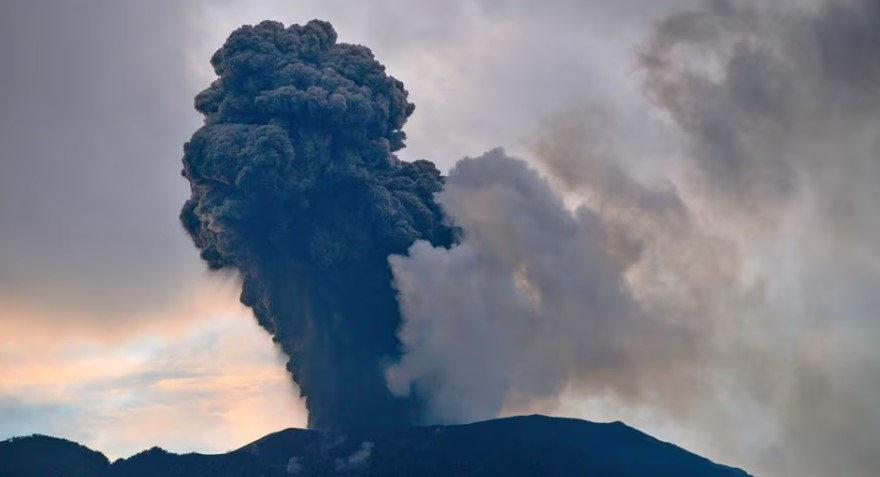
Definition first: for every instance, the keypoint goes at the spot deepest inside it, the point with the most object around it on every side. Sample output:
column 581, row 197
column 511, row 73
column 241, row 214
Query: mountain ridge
column 513, row 446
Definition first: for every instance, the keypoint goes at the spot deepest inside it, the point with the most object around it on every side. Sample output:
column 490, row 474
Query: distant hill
column 39, row 455
column 511, row 447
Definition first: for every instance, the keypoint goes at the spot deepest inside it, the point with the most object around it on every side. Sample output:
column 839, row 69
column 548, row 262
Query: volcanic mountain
column 517, row 446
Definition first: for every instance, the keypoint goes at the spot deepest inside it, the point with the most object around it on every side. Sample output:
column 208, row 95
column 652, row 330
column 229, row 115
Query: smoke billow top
column 295, row 185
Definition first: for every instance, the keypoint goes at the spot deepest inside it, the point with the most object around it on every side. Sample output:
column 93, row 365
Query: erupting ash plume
column 729, row 287
column 296, row 186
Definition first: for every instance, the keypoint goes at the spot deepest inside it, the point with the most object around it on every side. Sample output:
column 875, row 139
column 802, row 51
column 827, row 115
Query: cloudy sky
column 735, row 146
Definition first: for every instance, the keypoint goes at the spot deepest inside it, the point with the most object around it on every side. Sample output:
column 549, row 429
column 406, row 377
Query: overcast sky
column 114, row 335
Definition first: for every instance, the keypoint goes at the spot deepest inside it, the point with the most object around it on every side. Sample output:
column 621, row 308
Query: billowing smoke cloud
column 783, row 141
column 357, row 460
column 295, row 185
column 538, row 296
column 733, row 293
column 534, row 295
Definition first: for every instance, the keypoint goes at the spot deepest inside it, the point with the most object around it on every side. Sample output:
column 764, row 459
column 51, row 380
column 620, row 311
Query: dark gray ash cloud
column 295, row 185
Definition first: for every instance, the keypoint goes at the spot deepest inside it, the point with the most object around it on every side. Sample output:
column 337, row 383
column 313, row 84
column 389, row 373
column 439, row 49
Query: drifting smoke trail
column 741, row 301
column 295, row 185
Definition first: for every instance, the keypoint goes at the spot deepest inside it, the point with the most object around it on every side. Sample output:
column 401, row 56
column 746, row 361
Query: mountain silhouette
column 510, row 447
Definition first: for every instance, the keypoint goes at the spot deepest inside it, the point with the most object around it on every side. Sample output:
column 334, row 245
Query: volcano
column 511, row 447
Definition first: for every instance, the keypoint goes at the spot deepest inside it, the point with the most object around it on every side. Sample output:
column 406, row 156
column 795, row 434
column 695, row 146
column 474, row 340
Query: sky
column 733, row 144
